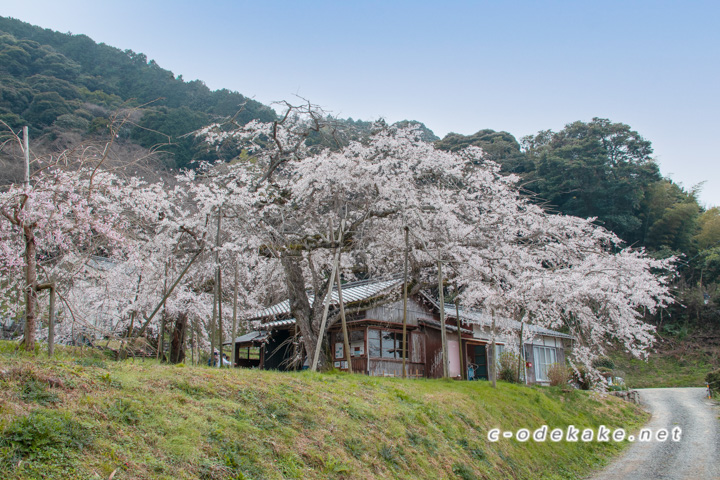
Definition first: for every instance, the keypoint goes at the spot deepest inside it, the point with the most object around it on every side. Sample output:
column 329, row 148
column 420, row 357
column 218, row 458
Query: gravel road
column 696, row 456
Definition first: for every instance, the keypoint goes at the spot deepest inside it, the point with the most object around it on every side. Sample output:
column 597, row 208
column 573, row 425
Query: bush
column 713, row 380
column 604, row 362
column 558, row 374
column 583, row 378
column 507, row 367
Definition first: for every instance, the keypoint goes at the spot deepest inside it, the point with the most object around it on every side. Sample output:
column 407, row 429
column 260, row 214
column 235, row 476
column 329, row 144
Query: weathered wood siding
column 393, row 312
column 393, row 368
column 417, row 347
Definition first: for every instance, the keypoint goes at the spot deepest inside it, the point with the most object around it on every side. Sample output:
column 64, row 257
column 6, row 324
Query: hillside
column 682, row 359
column 82, row 416
column 60, row 83
column 66, row 85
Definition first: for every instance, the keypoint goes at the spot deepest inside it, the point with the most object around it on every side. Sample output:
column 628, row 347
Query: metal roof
column 277, row 323
column 351, row 292
column 473, row 316
column 255, row 336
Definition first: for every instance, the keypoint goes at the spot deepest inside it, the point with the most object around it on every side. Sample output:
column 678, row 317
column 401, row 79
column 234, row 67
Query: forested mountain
column 57, row 82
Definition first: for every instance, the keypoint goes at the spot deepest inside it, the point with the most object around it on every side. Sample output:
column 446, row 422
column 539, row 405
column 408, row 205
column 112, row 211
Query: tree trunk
column 30, row 288
column 300, row 307
column 177, row 343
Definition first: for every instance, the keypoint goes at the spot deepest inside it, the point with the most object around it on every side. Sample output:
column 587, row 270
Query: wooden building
column 375, row 337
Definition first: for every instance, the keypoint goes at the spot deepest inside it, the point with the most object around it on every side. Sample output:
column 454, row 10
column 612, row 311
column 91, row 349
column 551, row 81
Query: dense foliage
column 605, row 170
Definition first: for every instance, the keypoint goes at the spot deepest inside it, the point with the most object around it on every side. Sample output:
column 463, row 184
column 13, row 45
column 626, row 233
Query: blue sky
column 457, row 66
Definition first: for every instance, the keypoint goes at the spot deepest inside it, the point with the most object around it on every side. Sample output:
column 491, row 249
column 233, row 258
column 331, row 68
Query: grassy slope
column 674, row 362
column 144, row 420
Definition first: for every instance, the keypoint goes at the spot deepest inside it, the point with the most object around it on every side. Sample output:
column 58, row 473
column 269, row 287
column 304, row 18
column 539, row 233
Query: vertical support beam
column 328, row 299
column 461, row 351
column 192, row 343
column 493, row 367
column 405, row 285
column 443, row 333
column 216, row 294
column 521, row 356
column 346, row 338
column 51, row 323
column 26, row 154
column 234, row 327
column 220, row 320
column 163, row 317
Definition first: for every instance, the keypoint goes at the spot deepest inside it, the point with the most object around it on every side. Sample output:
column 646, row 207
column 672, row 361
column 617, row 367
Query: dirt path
column 697, row 454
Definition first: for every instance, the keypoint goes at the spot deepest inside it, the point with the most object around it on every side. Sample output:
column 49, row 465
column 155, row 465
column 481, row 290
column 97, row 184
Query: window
column 251, row 353
column 385, row 344
column 544, row 357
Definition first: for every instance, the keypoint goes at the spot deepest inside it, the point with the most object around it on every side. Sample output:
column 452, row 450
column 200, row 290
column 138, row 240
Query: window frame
column 396, row 341
column 541, row 367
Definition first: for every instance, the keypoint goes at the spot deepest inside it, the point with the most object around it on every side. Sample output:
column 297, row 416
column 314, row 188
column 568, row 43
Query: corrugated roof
column 351, row 292
column 256, row 336
column 474, row 316
column 277, row 323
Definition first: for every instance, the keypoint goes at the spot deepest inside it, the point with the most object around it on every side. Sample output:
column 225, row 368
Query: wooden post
column 163, row 317
column 328, row 299
column 234, row 327
column 443, row 333
column 192, row 343
column 159, row 305
column 346, row 338
column 405, row 285
column 220, row 323
column 215, row 290
column 493, row 367
column 461, row 351
column 51, row 323
column 521, row 360
column 26, row 153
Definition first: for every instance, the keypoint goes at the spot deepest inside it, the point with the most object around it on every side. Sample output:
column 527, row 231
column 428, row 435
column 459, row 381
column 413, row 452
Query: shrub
column 583, row 378
column 558, row 374
column 713, row 380
column 604, row 362
column 507, row 367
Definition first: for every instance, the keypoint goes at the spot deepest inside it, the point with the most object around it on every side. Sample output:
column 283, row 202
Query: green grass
column 673, row 363
column 143, row 420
